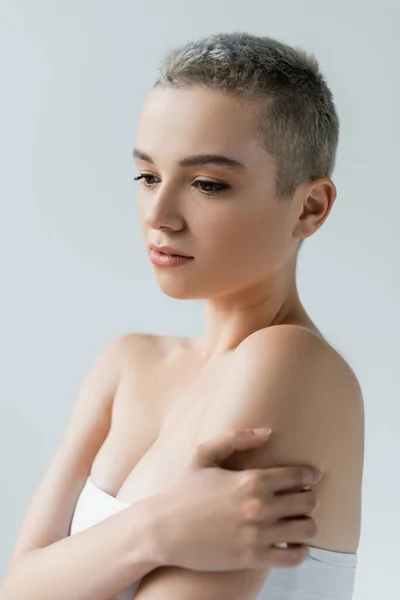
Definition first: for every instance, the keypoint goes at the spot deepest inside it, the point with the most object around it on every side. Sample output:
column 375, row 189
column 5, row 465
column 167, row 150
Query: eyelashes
column 217, row 188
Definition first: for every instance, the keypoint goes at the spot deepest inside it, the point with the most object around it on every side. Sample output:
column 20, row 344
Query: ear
column 317, row 202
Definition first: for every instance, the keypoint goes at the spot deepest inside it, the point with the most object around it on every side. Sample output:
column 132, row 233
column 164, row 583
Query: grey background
column 74, row 271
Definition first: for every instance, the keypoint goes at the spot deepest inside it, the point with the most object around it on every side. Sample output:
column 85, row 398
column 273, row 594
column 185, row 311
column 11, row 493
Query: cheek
column 246, row 238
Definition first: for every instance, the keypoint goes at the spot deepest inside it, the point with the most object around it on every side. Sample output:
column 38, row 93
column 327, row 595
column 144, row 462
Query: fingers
column 246, row 439
column 219, row 448
column 287, row 506
column 285, row 557
column 292, row 505
column 291, row 531
column 281, row 479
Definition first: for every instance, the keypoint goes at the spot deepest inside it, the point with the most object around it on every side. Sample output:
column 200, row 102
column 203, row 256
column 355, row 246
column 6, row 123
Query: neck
column 233, row 317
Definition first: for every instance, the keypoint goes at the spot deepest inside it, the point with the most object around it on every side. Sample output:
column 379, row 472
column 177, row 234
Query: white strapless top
column 324, row 575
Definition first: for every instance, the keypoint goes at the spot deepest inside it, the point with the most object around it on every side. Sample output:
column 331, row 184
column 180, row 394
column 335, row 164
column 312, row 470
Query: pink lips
column 168, row 260
column 168, row 250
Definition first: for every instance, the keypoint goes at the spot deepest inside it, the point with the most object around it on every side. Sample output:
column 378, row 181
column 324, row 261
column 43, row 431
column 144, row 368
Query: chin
column 181, row 294
column 193, row 287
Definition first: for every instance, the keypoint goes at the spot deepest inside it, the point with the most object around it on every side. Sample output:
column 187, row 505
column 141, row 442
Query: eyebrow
column 195, row 160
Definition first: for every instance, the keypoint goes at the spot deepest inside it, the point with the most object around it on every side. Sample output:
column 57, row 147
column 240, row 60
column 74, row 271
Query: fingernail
column 317, row 475
column 262, row 431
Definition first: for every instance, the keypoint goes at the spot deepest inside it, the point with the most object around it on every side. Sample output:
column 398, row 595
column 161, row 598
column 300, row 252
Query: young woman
column 236, row 147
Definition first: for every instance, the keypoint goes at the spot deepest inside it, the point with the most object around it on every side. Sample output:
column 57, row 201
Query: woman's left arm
column 289, row 379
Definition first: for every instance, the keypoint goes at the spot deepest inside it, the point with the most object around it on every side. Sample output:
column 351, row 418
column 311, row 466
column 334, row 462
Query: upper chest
column 159, row 408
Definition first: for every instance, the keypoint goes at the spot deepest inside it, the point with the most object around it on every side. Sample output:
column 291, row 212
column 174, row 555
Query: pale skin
column 260, row 362
column 244, row 245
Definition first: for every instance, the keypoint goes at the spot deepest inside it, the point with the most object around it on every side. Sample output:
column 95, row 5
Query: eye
column 144, row 177
column 216, row 187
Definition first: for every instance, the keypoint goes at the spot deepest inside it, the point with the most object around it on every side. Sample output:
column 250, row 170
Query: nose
column 162, row 210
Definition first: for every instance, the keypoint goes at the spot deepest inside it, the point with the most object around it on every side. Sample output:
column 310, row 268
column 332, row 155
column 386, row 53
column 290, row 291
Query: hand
column 214, row 519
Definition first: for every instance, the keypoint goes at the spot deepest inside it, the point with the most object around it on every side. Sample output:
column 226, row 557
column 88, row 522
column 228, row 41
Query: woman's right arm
column 97, row 563
column 162, row 530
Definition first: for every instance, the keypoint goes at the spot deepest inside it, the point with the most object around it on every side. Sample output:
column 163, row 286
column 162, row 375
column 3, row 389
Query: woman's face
column 239, row 235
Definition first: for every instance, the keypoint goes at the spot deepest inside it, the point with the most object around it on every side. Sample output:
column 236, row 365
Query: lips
column 167, row 250
column 168, row 260
column 169, row 253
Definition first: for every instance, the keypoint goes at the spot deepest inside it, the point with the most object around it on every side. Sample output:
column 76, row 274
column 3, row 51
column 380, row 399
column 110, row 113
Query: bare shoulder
column 138, row 340
column 87, row 429
column 142, row 350
column 292, row 380
column 294, row 346
column 309, row 384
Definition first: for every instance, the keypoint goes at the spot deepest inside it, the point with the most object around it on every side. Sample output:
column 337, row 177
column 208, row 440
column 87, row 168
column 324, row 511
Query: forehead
column 197, row 119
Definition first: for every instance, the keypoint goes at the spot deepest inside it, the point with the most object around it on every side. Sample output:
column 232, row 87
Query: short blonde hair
column 297, row 122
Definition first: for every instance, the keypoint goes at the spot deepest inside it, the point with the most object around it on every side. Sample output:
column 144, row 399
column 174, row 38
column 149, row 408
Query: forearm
column 94, row 564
